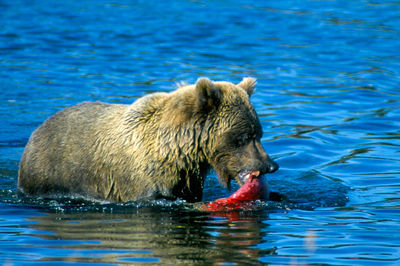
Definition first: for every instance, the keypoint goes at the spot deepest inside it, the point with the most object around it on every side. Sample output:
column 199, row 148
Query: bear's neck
column 183, row 147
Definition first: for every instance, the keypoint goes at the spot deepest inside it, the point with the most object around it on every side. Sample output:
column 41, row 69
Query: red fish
column 253, row 189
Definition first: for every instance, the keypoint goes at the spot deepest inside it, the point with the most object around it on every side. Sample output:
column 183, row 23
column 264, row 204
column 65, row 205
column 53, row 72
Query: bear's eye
column 243, row 139
column 238, row 139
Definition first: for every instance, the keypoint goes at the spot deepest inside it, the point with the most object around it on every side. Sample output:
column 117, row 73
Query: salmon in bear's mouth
column 254, row 188
column 244, row 176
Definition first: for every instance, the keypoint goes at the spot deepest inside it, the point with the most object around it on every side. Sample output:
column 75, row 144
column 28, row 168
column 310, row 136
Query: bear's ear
column 208, row 96
column 248, row 84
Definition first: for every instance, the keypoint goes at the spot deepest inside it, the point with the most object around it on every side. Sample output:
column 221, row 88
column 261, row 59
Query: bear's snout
column 265, row 166
column 258, row 160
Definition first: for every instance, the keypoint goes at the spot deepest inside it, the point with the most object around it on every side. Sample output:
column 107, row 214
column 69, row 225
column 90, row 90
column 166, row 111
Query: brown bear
column 161, row 146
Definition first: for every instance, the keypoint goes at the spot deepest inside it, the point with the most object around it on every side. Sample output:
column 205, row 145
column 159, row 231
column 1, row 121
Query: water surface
column 327, row 96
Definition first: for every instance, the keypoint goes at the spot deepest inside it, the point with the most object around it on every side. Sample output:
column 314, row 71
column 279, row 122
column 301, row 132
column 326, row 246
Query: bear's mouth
column 245, row 176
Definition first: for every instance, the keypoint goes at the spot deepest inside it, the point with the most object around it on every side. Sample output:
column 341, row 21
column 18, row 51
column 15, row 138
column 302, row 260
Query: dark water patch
column 309, row 190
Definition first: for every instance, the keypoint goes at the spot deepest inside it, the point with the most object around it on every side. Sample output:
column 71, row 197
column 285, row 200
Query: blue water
column 328, row 97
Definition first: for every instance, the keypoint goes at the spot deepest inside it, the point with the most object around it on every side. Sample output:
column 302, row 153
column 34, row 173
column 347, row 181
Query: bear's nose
column 272, row 167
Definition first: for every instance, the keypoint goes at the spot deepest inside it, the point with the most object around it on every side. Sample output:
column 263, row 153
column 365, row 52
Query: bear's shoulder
column 145, row 107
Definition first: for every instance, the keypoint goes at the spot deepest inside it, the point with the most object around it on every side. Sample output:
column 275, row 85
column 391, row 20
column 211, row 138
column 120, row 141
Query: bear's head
column 231, row 130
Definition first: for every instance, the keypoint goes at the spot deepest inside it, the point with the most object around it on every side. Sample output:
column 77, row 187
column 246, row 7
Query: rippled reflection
column 166, row 237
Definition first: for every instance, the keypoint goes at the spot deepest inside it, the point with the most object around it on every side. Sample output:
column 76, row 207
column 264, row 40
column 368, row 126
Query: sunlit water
column 328, row 98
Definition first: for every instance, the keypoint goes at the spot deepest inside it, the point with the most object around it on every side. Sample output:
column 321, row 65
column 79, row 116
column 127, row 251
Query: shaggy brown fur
column 162, row 145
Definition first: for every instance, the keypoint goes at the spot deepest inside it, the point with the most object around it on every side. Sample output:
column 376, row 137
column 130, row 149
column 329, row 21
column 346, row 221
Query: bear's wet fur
column 162, row 145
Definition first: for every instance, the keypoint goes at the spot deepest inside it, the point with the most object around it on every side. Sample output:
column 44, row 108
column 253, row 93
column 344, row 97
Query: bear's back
column 68, row 136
